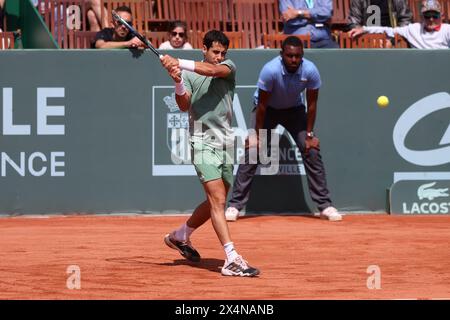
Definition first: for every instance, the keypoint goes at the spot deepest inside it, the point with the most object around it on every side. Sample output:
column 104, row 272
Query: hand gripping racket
column 136, row 34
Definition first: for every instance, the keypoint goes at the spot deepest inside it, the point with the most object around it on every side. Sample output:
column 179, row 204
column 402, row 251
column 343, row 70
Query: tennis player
column 206, row 89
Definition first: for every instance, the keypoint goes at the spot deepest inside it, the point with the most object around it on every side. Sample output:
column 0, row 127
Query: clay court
column 300, row 257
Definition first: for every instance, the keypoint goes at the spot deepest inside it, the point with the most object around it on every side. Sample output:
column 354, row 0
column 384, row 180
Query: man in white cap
column 431, row 33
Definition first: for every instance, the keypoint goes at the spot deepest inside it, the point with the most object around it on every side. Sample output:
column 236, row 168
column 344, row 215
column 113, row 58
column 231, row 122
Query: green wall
column 21, row 14
column 114, row 153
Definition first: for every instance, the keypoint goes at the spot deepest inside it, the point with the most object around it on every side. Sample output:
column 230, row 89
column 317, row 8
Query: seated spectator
column 177, row 37
column 118, row 37
column 309, row 16
column 390, row 13
column 431, row 33
column 395, row 15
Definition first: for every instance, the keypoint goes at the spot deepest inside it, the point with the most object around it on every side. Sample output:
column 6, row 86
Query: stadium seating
column 371, row 41
column 201, row 15
column 156, row 37
column 61, row 16
column 6, row 40
column 236, row 39
column 247, row 21
column 275, row 40
column 81, row 39
column 363, row 41
column 255, row 18
column 139, row 8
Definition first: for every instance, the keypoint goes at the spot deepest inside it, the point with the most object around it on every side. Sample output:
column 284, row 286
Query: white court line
column 421, row 299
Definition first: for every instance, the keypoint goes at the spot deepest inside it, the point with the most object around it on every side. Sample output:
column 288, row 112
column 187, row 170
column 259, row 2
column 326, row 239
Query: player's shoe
column 239, row 267
column 185, row 248
column 331, row 214
column 231, row 214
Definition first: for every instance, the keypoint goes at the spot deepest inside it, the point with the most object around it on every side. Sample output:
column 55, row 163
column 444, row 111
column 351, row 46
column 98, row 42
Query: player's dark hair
column 215, row 36
column 123, row 9
column 292, row 41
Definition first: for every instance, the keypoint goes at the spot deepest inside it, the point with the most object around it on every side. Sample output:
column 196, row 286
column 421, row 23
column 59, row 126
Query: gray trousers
column 294, row 121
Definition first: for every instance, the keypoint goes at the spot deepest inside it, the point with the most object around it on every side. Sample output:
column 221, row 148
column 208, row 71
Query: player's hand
column 355, row 32
column 311, row 143
column 175, row 74
column 169, row 62
column 135, row 43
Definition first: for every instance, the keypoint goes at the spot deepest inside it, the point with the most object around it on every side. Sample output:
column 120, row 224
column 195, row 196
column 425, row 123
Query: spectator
column 309, row 16
column 119, row 36
column 431, row 33
column 389, row 13
column 177, row 36
column 393, row 13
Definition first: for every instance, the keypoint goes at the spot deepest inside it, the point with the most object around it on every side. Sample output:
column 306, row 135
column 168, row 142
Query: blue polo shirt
column 286, row 88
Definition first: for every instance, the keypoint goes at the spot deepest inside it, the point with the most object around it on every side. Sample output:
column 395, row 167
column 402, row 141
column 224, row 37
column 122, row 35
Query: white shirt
column 166, row 46
column 417, row 36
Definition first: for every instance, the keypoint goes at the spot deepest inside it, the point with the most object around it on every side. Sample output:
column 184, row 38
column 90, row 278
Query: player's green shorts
column 211, row 163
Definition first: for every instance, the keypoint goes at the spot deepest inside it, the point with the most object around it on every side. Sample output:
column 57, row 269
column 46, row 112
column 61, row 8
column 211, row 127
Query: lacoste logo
column 171, row 103
column 426, row 192
column 414, row 114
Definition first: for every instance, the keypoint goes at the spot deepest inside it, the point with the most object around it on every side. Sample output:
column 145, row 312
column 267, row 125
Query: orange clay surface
column 300, row 257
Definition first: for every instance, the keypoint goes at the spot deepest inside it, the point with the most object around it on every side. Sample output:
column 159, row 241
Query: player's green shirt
column 211, row 108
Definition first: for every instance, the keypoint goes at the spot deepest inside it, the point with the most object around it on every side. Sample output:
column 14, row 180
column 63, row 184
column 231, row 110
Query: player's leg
column 216, row 193
column 208, row 165
column 235, row 265
column 179, row 239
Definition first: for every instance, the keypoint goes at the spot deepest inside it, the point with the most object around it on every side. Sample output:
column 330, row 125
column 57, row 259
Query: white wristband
column 188, row 65
column 180, row 90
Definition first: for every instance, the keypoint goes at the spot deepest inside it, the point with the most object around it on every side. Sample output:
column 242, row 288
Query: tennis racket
column 136, row 34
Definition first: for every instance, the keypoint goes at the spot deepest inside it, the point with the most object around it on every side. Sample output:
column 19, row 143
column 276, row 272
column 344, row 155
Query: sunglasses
column 429, row 15
column 130, row 23
column 181, row 34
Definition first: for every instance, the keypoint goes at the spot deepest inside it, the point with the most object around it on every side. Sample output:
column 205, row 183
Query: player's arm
column 182, row 96
column 183, row 99
column 202, row 68
column 211, row 70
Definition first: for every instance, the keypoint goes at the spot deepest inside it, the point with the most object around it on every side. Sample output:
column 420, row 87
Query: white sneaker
column 331, row 214
column 239, row 267
column 231, row 214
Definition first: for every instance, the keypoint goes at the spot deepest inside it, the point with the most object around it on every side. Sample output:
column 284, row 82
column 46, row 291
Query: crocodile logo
column 426, row 192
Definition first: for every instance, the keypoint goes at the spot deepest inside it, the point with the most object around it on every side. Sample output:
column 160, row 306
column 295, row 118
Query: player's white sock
column 183, row 233
column 230, row 251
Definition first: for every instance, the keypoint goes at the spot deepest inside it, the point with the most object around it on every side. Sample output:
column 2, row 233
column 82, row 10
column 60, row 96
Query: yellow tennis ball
column 382, row 101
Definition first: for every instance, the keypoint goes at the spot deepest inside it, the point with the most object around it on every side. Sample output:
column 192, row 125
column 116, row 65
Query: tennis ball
column 382, row 101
